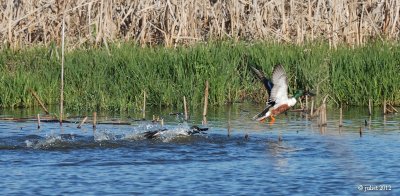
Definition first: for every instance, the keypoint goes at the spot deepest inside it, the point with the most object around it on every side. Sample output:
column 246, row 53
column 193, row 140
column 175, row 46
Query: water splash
column 107, row 137
column 104, row 135
column 50, row 141
column 156, row 131
column 170, row 134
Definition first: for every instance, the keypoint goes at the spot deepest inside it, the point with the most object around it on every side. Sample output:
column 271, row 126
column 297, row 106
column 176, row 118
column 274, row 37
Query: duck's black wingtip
column 260, row 75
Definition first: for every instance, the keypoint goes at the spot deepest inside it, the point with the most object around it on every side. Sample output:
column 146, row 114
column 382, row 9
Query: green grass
column 96, row 80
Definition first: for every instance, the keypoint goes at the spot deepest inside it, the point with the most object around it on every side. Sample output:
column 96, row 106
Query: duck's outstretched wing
column 279, row 92
column 267, row 83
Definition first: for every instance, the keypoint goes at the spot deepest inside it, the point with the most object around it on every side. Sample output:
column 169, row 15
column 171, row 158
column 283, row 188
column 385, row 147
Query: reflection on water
column 120, row 159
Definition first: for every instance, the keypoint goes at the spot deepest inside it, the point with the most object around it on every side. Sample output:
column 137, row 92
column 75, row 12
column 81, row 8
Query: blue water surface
column 237, row 156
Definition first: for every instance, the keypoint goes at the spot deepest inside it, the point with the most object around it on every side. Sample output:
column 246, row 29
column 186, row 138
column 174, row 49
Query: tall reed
column 188, row 21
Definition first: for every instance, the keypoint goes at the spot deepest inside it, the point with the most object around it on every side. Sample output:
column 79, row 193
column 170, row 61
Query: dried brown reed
column 370, row 107
column 384, row 107
column 82, row 122
column 94, row 119
column 204, row 122
column 38, row 121
column 144, row 106
column 322, row 113
column 39, row 101
column 62, row 70
column 173, row 22
column 341, row 117
column 205, row 99
column 185, row 108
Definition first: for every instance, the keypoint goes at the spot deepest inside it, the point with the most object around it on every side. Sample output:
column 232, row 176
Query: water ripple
column 294, row 156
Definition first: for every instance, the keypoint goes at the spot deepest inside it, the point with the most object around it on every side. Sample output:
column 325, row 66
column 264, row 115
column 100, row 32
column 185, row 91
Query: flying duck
column 277, row 89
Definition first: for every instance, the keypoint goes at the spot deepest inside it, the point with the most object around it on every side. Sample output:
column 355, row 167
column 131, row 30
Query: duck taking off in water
column 277, row 89
column 192, row 131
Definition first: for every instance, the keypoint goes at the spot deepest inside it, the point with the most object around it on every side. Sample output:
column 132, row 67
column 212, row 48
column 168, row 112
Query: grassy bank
column 115, row 79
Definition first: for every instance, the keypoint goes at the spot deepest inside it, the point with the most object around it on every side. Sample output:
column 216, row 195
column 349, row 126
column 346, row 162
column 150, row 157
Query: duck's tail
column 262, row 114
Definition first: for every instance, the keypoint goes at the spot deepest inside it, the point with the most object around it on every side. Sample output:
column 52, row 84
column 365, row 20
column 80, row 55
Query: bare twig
column 81, row 123
column 185, row 108
column 39, row 101
column 62, row 70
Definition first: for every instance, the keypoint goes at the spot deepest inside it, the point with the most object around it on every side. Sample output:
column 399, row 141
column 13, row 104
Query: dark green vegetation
column 96, row 78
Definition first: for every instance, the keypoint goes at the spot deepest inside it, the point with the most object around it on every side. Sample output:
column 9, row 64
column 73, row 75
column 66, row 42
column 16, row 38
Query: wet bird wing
column 267, row 83
column 279, row 92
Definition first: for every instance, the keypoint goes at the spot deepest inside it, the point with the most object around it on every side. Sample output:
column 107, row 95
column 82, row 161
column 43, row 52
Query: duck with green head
column 277, row 89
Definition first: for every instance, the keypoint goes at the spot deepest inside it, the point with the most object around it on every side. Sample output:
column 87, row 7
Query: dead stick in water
column 341, row 117
column 144, row 105
column 306, row 103
column 322, row 115
column 312, row 108
column 229, row 121
column 62, row 69
column 39, row 101
column 325, row 118
column 205, row 103
column 323, row 112
column 317, row 111
column 94, row 119
column 38, row 121
column 393, row 108
column 384, row 107
column 204, row 122
column 185, row 108
column 81, row 123
column 370, row 107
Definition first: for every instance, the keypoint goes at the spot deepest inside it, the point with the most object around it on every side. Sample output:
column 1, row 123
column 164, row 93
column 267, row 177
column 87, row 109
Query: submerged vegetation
column 115, row 78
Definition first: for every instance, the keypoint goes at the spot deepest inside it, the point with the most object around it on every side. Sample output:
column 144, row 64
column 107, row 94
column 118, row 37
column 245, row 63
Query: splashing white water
column 165, row 134
column 49, row 141
column 103, row 135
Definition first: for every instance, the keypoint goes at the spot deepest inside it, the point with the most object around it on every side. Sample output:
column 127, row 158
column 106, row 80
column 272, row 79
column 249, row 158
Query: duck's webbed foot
column 272, row 120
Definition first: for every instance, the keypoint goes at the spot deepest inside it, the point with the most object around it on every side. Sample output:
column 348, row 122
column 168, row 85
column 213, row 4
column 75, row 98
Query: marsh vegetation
column 116, row 78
